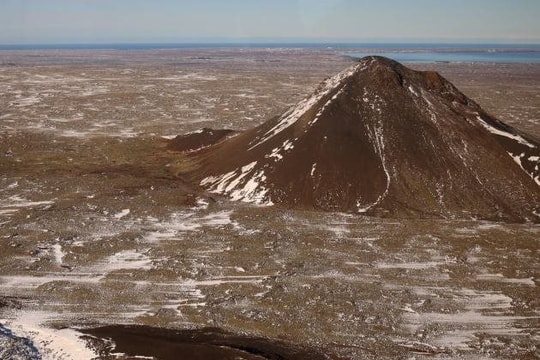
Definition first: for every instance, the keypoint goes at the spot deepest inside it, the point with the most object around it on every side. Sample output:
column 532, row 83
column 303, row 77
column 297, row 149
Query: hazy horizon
column 213, row 21
column 288, row 41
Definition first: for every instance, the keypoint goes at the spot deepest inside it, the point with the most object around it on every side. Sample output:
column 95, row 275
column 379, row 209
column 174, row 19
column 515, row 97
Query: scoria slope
column 381, row 139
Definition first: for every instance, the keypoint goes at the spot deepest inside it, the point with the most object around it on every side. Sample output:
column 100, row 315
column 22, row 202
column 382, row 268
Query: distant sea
column 456, row 53
column 409, row 53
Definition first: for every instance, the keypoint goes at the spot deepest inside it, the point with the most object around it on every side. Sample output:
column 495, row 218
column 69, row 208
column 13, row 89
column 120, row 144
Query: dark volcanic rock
column 380, row 138
column 13, row 347
column 198, row 140
column 203, row 344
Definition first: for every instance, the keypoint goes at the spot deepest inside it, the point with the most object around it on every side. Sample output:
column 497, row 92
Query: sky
column 168, row 21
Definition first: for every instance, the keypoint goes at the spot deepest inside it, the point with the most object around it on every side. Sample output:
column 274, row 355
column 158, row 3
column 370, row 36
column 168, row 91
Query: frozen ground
column 94, row 229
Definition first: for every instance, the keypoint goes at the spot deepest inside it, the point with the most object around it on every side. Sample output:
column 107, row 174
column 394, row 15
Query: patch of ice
column 122, row 213
column 185, row 222
column 220, row 218
column 125, row 260
column 22, row 282
column 489, row 226
column 58, row 253
column 126, row 133
column 16, row 202
column 202, row 203
column 75, row 134
column 503, row 279
column 484, row 312
column 52, row 344
column 408, row 308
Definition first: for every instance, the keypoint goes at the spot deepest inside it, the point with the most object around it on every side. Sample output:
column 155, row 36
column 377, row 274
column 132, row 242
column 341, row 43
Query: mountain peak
column 380, row 138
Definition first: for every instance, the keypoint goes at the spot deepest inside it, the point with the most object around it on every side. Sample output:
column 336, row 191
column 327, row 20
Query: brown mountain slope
column 379, row 138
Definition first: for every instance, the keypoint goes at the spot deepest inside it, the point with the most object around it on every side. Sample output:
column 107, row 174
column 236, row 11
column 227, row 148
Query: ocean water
column 406, row 52
column 456, row 56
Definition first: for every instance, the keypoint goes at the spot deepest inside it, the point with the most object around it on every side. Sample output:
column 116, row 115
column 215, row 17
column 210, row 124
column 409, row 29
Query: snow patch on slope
column 506, row 134
column 276, row 152
column 325, row 106
column 517, row 159
column 379, row 143
column 239, row 186
column 297, row 111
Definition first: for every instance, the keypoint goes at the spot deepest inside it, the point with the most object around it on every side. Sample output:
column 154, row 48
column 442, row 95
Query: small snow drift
column 381, row 139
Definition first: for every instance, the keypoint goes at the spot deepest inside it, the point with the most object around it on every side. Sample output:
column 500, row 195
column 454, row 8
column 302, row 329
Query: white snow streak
column 122, row 213
column 253, row 191
column 287, row 145
column 506, row 134
column 323, row 108
column 411, row 89
column 297, row 111
column 58, row 253
column 126, row 260
column 519, row 139
column 517, row 159
column 234, row 184
column 378, row 139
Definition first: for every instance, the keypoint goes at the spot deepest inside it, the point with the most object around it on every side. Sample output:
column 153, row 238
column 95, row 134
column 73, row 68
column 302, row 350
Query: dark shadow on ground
column 201, row 344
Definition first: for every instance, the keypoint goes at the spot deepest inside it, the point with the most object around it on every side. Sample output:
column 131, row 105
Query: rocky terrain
column 96, row 228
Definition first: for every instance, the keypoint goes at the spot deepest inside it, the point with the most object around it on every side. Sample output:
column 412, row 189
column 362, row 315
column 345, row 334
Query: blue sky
column 113, row 21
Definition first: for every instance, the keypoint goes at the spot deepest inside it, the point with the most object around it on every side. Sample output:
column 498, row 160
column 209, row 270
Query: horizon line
column 255, row 42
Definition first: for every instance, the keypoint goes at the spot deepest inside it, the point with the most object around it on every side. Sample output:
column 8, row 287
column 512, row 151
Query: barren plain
column 95, row 229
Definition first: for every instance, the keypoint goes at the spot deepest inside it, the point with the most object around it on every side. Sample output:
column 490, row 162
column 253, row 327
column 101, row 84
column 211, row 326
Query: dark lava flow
column 202, row 344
